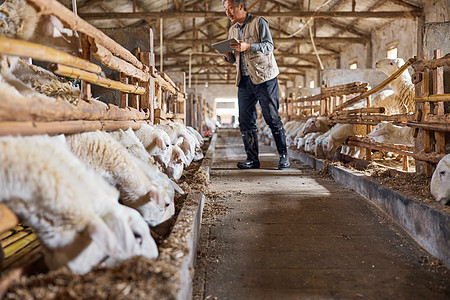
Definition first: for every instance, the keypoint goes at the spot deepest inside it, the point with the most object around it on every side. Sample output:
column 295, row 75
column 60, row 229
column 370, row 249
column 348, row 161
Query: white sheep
column 156, row 142
column 338, row 135
column 310, row 142
column 29, row 81
column 74, row 211
column 387, row 99
column 403, row 87
column 440, row 182
column 45, row 82
column 293, row 132
column 161, row 205
column 18, row 19
column 177, row 162
column 317, row 124
column 318, row 151
column 299, row 135
column 388, row 133
column 302, row 141
column 108, row 157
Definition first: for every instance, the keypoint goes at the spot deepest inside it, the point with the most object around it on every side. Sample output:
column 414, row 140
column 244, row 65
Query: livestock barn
column 185, row 149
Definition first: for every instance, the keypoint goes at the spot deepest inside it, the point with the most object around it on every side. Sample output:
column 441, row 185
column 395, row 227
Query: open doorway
column 227, row 111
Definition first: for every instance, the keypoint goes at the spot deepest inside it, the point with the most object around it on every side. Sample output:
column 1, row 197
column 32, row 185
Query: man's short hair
column 237, row 2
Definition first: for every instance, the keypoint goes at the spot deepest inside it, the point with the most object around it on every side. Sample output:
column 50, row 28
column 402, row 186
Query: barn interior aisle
column 298, row 234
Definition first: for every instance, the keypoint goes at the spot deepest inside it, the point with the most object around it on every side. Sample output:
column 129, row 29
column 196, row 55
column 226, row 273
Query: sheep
column 310, row 142
column 440, row 181
column 338, row 135
column 299, row 135
column 317, row 124
column 387, row 99
column 403, row 87
column 10, row 83
column 387, row 133
column 302, row 141
column 74, row 211
column 318, row 151
column 293, row 132
column 108, row 157
column 156, row 142
column 29, row 81
column 158, row 211
column 45, row 82
column 174, row 168
column 18, row 19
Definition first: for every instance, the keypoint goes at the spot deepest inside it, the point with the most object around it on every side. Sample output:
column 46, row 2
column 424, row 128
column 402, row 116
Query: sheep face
column 389, row 65
column 440, row 182
column 379, row 130
column 155, row 215
column 133, row 235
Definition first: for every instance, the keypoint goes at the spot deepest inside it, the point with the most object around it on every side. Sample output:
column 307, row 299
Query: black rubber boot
column 250, row 138
column 280, row 141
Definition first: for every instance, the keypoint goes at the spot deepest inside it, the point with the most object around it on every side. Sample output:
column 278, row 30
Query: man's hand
column 227, row 56
column 241, row 46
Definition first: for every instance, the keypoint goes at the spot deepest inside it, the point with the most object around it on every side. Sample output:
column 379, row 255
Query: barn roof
column 190, row 26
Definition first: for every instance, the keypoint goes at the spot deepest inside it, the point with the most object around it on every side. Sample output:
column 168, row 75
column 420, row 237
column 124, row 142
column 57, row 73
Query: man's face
column 233, row 12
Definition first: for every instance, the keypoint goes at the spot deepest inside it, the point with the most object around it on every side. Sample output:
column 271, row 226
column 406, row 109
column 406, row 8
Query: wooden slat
column 66, row 127
column 434, row 98
column 17, row 108
column 63, row 70
column 39, row 52
column 109, row 60
column 57, row 9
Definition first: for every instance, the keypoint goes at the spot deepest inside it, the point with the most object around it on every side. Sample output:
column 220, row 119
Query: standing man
column 256, row 79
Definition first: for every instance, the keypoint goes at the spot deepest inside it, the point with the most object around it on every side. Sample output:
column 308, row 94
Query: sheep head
column 440, row 188
column 389, row 65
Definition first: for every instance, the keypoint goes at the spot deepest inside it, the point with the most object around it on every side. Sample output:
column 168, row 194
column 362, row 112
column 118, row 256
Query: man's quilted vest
column 261, row 67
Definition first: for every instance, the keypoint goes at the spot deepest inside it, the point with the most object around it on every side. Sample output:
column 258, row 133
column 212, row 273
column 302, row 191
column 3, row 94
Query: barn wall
column 212, row 92
column 437, row 11
column 403, row 32
column 351, row 53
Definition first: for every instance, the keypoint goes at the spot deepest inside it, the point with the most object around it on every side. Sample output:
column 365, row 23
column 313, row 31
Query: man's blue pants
column 268, row 96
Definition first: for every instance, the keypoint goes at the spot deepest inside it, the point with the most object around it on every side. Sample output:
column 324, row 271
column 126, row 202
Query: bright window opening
column 312, row 84
column 392, row 53
column 354, row 66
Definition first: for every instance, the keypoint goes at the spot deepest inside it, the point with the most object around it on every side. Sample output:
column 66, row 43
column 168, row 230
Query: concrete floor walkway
column 296, row 234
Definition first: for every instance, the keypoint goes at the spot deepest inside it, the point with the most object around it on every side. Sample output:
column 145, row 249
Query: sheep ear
column 122, row 231
column 160, row 143
column 103, row 237
column 330, row 144
column 176, row 187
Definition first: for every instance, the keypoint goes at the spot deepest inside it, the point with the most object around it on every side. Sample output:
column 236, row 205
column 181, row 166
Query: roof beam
column 186, row 66
column 327, row 40
column 220, row 14
column 284, row 54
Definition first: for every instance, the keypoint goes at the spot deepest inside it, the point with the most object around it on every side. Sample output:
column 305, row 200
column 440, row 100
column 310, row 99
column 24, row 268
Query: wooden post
column 438, row 88
column 423, row 138
column 134, row 97
column 123, row 96
column 86, row 93
column 146, row 100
